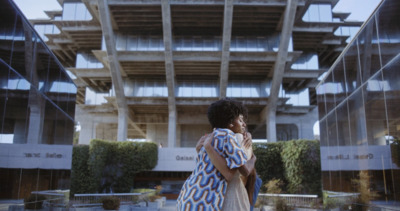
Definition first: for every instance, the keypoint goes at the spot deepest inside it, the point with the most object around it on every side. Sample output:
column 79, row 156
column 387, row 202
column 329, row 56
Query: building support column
column 226, row 44
column 116, row 72
column 279, row 68
column 169, row 72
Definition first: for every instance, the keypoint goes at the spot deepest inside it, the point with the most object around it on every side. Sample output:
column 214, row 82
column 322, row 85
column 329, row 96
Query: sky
column 360, row 10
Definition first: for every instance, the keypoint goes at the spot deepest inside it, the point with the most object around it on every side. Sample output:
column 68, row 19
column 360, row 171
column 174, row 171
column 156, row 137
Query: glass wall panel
column 330, row 90
column 87, row 60
column 323, row 134
column 95, row 98
column 321, row 101
column 245, row 88
column 391, row 86
column 339, row 83
column 6, row 127
column 8, row 18
column 357, row 118
column 369, row 54
column 196, row 89
column 352, row 68
column 389, row 31
column 375, row 110
column 307, row 61
column 343, row 125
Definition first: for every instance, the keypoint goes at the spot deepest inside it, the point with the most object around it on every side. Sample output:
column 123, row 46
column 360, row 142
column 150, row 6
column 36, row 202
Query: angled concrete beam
column 279, row 68
column 117, row 81
column 169, row 72
column 226, row 44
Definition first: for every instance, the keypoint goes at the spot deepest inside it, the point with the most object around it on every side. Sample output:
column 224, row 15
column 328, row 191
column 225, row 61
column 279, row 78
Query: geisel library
column 148, row 70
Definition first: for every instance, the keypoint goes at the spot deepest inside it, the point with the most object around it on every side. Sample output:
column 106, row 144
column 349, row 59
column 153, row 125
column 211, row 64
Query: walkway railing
column 53, row 198
column 298, row 200
column 94, row 199
column 342, row 197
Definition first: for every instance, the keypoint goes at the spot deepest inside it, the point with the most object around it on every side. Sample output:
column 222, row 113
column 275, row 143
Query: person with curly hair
column 205, row 189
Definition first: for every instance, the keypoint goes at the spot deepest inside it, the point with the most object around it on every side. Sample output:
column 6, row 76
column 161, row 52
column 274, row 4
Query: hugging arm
column 221, row 164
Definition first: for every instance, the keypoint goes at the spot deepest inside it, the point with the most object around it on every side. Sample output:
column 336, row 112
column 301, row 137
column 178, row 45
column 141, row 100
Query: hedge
column 106, row 166
column 296, row 163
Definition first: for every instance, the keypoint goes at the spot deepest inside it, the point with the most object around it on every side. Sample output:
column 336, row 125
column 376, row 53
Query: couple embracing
column 224, row 177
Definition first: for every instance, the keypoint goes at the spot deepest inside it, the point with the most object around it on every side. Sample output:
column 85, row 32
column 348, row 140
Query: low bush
column 110, row 203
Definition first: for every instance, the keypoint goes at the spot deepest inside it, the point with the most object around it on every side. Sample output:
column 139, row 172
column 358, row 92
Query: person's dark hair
column 223, row 112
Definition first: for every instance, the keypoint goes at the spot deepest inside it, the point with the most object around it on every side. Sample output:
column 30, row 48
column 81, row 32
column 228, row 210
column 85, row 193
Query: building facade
column 37, row 106
column 149, row 69
column 358, row 113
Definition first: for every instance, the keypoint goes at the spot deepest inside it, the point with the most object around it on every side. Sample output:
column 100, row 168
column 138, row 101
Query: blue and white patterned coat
column 206, row 187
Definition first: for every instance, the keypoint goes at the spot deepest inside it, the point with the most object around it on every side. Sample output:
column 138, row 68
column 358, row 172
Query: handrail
column 298, row 200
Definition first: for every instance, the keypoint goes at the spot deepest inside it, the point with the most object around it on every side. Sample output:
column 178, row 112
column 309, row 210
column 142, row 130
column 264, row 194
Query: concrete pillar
column 171, row 129
column 226, row 43
column 279, row 68
column 115, row 70
column 169, row 72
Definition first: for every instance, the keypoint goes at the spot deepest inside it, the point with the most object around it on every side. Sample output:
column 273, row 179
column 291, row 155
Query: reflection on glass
column 367, row 117
column 196, row 89
column 306, row 62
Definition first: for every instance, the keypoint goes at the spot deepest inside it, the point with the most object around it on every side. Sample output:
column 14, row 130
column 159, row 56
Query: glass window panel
column 389, row 31
column 357, row 118
column 369, row 54
column 132, row 43
column 321, row 101
column 391, row 77
column 187, row 44
column 252, row 44
column 22, row 55
column 339, row 82
column 330, row 91
column 143, row 43
column 343, row 125
column 332, row 129
column 323, row 134
column 198, row 44
column 121, row 42
column 375, row 111
column 352, row 68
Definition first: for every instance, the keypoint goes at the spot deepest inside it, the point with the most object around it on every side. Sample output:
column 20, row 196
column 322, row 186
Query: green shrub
column 34, row 201
column 302, row 163
column 269, row 163
column 110, row 203
column 106, row 166
column 81, row 181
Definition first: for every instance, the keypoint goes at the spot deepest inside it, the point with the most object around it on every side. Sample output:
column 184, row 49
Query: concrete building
column 358, row 114
column 37, row 104
column 149, row 69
